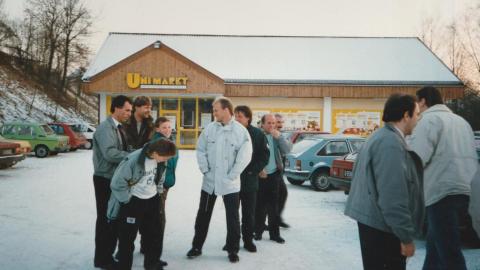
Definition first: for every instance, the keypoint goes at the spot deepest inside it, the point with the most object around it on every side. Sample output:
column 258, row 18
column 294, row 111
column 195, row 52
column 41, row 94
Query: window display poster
column 205, row 119
column 293, row 120
column 357, row 121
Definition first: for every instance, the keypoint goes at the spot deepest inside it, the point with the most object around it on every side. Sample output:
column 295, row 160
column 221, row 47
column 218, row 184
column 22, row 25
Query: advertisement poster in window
column 301, row 120
column 205, row 119
column 357, row 122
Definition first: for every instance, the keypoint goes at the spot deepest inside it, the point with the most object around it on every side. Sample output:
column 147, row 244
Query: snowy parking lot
column 47, row 219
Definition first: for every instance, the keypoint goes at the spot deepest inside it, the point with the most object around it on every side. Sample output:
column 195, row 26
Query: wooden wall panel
column 339, row 91
column 158, row 63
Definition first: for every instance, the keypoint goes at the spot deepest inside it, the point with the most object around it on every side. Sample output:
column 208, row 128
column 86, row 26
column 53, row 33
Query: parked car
column 76, row 139
column 41, row 137
column 87, row 130
column 10, row 154
column 24, row 145
column 298, row 135
column 341, row 172
column 311, row 159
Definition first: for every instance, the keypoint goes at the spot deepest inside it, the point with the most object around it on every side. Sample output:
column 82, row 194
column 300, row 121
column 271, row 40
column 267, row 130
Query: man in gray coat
column 386, row 197
column 109, row 148
column 445, row 143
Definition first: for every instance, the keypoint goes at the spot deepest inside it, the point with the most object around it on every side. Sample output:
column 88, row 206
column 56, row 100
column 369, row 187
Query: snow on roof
column 282, row 59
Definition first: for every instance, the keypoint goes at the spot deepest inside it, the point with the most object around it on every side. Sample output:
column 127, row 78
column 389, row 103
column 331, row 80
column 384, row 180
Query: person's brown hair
column 162, row 147
column 160, row 120
column 247, row 112
column 224, row 103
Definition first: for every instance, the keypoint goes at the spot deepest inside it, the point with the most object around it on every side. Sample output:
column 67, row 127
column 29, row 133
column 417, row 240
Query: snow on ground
column 47, row 219
column 15, row 100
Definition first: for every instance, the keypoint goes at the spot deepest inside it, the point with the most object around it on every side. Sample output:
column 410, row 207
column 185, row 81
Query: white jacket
column 445, row 143
column 223, row 152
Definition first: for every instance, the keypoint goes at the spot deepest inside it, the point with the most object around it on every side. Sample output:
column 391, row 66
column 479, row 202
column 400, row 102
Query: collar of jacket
column 112, row 123
column 391, row 127
column 437, row 108
column 228, row 126
column 143, row 156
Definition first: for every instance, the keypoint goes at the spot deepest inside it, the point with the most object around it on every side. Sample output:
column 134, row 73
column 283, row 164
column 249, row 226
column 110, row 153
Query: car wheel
column 320, row 181
column 41, row 151
column 88, row 145
column 295, row 182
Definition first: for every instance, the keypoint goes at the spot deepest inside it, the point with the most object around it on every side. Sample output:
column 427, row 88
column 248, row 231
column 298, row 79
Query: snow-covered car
column 87, row 130
column 311, row 159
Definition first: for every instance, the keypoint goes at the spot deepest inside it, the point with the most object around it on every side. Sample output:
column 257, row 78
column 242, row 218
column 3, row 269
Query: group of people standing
column 134, row 167
column 414, row 173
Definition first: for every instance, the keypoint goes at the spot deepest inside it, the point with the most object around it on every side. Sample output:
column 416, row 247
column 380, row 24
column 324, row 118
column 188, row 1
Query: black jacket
column 135, row 139
column 260, row 155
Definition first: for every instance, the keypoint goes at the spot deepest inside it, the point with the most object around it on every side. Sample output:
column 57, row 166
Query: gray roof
column 292, row 60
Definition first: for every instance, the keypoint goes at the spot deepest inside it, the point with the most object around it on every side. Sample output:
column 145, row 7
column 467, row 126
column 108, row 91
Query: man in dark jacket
column 140, row 125
column 109, row 148
column 386, row 198
column 249, row 177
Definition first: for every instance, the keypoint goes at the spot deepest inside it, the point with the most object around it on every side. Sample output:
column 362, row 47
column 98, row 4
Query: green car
column 43, row 139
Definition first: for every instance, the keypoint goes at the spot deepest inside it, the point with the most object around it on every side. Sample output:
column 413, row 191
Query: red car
column 341, row 172
column 75, row 140
column 10, row 154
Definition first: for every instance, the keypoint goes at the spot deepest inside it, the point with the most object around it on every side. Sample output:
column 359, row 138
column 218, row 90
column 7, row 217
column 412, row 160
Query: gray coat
column 127, row 175
column 387, row 186
column 474, row 208
column 107, row 149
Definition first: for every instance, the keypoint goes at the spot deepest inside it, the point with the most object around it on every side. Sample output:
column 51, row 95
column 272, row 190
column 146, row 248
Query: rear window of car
column 303, row 145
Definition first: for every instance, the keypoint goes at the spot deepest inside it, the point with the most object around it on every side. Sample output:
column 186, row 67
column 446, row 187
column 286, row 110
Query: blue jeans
column 443, row 235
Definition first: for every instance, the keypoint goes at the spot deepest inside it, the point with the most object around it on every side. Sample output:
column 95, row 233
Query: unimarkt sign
column 135, row 80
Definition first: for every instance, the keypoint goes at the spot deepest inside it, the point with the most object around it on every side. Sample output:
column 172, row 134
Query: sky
column 262, row 17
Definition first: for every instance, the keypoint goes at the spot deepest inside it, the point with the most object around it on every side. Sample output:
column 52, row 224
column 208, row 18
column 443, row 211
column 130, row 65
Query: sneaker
column 193, row 253
column 284, row 225
column 250, row 246
column 233, row 257
column 257, row 236
column 277, row 239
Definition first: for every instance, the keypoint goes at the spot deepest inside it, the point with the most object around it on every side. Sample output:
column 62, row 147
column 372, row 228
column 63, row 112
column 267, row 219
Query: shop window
column 205, row 112
column 170, row 104
column 155, row 107
column 188, row 113
column 187, row 138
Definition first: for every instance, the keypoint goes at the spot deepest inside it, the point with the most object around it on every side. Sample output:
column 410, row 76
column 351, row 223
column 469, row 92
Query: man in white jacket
column 224, row 149
column 444, row 141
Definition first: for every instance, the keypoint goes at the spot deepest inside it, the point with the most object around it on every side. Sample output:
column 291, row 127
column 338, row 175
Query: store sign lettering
column 135, row 80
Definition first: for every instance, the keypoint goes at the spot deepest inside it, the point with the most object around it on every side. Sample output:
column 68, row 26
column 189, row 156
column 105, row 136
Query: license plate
column 347, row 174
column 7, row 152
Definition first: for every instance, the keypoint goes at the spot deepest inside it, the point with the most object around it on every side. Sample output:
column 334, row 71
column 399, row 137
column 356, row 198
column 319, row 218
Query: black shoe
column 163, row 263
column 233, row 257
column 284, row 225
column 224, row 248
column 257, row 236
column 156, row 266
column 277, row 239
column 109, row 266
column 193, row 253
column 250, row 246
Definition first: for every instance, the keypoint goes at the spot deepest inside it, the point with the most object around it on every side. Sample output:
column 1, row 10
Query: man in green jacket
column 249, row 177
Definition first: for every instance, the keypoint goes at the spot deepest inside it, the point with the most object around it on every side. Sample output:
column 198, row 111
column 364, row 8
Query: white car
column 87, row 130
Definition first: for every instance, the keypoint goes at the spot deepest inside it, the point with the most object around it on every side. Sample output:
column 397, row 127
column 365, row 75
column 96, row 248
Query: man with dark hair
column 270, row 177
column 282, row 189
column 224, row 149
column 109, row 148
column 249, row 176
column 445, row 143
column 140, row 126
column 386, row 197
column 135, row 201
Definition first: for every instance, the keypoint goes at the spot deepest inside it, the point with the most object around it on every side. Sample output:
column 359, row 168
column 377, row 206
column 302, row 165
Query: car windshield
column 303, row 145
column 48, row 130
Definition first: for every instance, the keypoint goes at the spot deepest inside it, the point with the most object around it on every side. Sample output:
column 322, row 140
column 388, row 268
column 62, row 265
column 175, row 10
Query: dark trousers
column 282, row 197
column 139, row 212
column 267, row 204
column 249, row 201
column 204, row 214
column 443, row 236
column 105, row 232
column 163, row 198
column 380, row 250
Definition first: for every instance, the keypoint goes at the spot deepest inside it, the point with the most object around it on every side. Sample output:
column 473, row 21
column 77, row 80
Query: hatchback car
column 41, row 137
column 311, row 159
column 76, row 139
